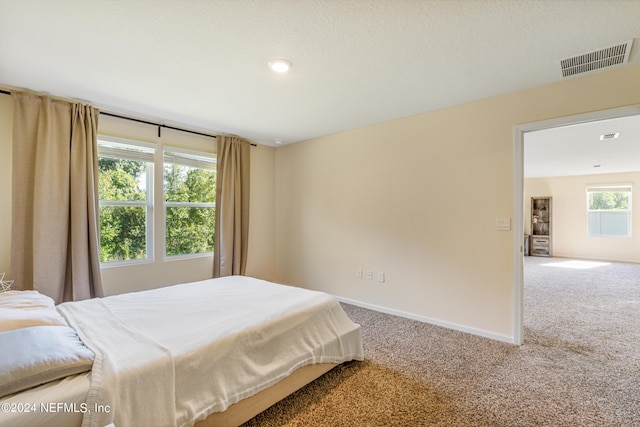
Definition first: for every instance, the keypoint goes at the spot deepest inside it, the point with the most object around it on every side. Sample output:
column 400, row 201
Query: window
column 184, row 195
column 609, row 209
column 126, row 200
column 189, row 202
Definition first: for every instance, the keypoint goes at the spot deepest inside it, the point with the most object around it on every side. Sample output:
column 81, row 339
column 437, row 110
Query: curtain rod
column 160, row 126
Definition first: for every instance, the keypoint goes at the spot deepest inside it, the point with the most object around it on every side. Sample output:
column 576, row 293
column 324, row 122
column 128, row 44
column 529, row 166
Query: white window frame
column 192, row 158
column 146, row 153
column 598, row 213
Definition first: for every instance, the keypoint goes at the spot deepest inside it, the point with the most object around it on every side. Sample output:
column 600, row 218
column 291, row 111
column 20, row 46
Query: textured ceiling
column 578, row 150
column 202, row 64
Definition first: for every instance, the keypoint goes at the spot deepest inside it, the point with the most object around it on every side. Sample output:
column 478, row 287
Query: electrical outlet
column 359, row 273
column 381, row 276
column 370, row 274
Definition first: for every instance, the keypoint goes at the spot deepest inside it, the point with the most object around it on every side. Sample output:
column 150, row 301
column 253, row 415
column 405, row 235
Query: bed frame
column 248, row 408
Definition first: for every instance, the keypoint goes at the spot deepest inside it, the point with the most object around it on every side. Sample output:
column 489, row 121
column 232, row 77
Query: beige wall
column 161, row 272
column 261, row 261
column 418, row 198
column 570, row 220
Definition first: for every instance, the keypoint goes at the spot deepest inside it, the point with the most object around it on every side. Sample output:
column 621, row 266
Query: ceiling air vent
column 608, row 136
column 597, row 59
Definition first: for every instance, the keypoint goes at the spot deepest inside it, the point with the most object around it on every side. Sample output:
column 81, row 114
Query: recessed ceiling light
column 280, row 65
column 608, row 136
column 278, row 141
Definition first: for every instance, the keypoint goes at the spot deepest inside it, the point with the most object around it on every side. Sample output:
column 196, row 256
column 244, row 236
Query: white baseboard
column 420, row 318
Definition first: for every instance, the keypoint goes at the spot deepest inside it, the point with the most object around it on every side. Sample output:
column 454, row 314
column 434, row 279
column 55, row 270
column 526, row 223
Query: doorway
column 520, row 132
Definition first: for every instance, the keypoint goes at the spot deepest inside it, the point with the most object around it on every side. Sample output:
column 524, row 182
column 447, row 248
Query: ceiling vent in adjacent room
column 596, row 59
column 608, row 136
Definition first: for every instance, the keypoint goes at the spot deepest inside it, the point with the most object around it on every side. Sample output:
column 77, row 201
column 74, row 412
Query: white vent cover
column 596, row 59
column 608, row 136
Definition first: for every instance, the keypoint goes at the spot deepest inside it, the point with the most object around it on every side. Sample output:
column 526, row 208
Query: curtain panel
column 55, row 217
column 232, row 206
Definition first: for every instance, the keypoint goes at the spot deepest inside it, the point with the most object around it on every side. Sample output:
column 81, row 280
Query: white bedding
column 174, row 355
column 21, row 309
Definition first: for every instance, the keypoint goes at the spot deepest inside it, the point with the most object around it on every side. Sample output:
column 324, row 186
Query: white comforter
column 174, row 355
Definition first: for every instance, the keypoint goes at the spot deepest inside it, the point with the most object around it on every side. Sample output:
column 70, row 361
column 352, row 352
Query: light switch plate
column 503, row 224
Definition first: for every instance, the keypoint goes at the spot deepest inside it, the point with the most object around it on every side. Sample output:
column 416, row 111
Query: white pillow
column 38, row 355
column 22, row 309
column 25, row 299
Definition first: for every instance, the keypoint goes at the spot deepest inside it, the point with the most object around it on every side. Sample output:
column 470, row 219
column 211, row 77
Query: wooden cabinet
column 541, row 244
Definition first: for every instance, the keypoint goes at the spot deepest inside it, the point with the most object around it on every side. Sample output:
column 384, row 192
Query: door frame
column 518, row 197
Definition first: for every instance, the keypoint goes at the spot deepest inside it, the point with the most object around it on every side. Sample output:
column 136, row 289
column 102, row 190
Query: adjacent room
column 578, row 192
column 360, row 212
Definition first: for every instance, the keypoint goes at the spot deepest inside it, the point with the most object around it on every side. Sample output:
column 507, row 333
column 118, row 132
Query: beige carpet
column 579, row 366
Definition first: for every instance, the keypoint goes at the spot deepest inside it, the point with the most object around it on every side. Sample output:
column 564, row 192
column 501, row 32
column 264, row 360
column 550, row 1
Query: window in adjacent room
column 126, row 200
column 189, row 202
column 609, row 209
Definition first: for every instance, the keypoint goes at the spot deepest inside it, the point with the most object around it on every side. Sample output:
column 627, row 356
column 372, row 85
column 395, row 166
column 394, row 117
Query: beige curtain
column 232, row 206
column 55, row 198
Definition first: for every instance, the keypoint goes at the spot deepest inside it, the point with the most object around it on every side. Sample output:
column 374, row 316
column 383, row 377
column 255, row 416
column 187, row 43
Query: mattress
column 58, row 403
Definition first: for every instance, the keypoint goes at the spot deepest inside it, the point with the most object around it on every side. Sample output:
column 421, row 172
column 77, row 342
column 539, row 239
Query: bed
column 210, row 353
